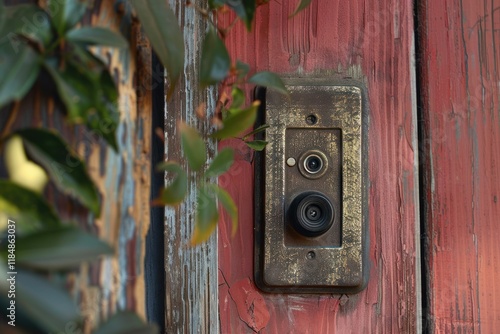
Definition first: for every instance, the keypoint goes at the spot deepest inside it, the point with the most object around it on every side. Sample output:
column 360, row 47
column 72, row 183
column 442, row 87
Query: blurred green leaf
column 301, row 6
column 228, row 204
column 259, row 129
column 242, row 69
column 126, row 322
column 56, row 249
column 3, row 18
column 193, row 146
column 238, row 97
column 19, row 72
column 19, row 62
column 162, row 28
column 96, row 36
column 207, row 216
column 257, row 145
column 176, row 191
column 27, row 208
column 269, row 80
column 215, row 61
column 19, row 20
column 221, row 163
column 236, row 123
column 214, row 4
column 89, row 95
column 49, row 306
column 66, row 13
column 66, row 169
column 245, row 9
column 75, row 89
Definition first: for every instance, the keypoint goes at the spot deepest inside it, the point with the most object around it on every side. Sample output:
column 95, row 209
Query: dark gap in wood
column 155, row 260
column 424, row 175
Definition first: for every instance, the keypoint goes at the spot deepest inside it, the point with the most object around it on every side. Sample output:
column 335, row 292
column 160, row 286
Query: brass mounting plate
column 332, row 116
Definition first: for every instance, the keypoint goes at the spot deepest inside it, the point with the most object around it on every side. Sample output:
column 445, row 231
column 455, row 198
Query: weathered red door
column 372, row 42
column 459, row 92
column 431, row 70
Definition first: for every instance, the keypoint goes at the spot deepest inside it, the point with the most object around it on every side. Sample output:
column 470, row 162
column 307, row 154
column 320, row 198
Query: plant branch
column 12, row 117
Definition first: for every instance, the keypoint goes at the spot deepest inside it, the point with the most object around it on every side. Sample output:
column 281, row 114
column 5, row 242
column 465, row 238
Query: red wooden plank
column 372, row 42
column 460, row 94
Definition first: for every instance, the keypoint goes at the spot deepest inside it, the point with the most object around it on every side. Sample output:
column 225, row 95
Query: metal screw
column 311, row 255
column 311, row 119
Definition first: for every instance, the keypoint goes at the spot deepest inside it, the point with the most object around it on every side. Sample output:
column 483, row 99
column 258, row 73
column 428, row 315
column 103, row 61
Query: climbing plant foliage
column 55, row 47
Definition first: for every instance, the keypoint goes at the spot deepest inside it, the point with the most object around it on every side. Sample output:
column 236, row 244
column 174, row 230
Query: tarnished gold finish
column 327, row 120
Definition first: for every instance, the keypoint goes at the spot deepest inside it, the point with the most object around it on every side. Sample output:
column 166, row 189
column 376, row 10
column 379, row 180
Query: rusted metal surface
column 287, row 261
column 123, row 178
column 460, row 92
column 371, row 42
column 190, row 272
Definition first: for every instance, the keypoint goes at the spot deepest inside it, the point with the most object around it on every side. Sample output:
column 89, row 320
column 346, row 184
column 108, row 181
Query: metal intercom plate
column 311, row 189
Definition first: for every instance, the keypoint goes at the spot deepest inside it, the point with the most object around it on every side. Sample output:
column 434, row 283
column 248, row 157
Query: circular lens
column 313, row 164
column 311, row 214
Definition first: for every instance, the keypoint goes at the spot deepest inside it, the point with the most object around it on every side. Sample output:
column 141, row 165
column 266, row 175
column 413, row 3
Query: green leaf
column 228, row 204
column 126, row 322
column 259, row 129
column 193, row 146
column 19, row 71
column 269, row 80
column 161, row 26
column 19, row 62
column 238, row 97
column 89, row 95
column 207, row 217
column 215, row 61
column 301, row 6
column 56, row 249
column 242, row 69
column 214, row 4
column 28, row 21
column 25, row 207
column 176, row 191
column 49, row 306
column 257, row 145
column 66, row 13
column 245, row 9
column 237, row 122
column 97, row 36
column 75, row 89
column 3, row 18
column 221, row 163
column 66, row 169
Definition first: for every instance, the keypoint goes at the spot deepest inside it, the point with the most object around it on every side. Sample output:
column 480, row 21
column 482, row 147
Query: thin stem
column 228, row 29
column 12, row 117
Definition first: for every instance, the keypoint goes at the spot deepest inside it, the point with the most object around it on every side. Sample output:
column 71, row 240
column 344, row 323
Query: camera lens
column 311, row 214
column 313, row 164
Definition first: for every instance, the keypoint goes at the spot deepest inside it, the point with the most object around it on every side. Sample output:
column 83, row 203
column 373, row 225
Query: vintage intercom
column 311, row 202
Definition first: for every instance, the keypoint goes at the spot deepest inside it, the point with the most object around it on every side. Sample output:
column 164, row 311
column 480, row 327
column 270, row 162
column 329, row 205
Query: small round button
column 291, row 162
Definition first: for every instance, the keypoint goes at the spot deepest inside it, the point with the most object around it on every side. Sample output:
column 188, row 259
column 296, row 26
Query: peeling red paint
column 460, row 103
column 250, row 304
column 370, row 41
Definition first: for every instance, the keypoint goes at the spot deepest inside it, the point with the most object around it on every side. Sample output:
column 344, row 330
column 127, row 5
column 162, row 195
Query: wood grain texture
column 190, row 272
column 371, row 42
column 460, row 86
column 123, row 179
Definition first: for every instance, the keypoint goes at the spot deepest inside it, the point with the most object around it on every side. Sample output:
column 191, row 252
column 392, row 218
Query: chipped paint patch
column 252, row 308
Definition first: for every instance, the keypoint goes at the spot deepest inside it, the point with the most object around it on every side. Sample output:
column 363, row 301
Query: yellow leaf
column 21, row 170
